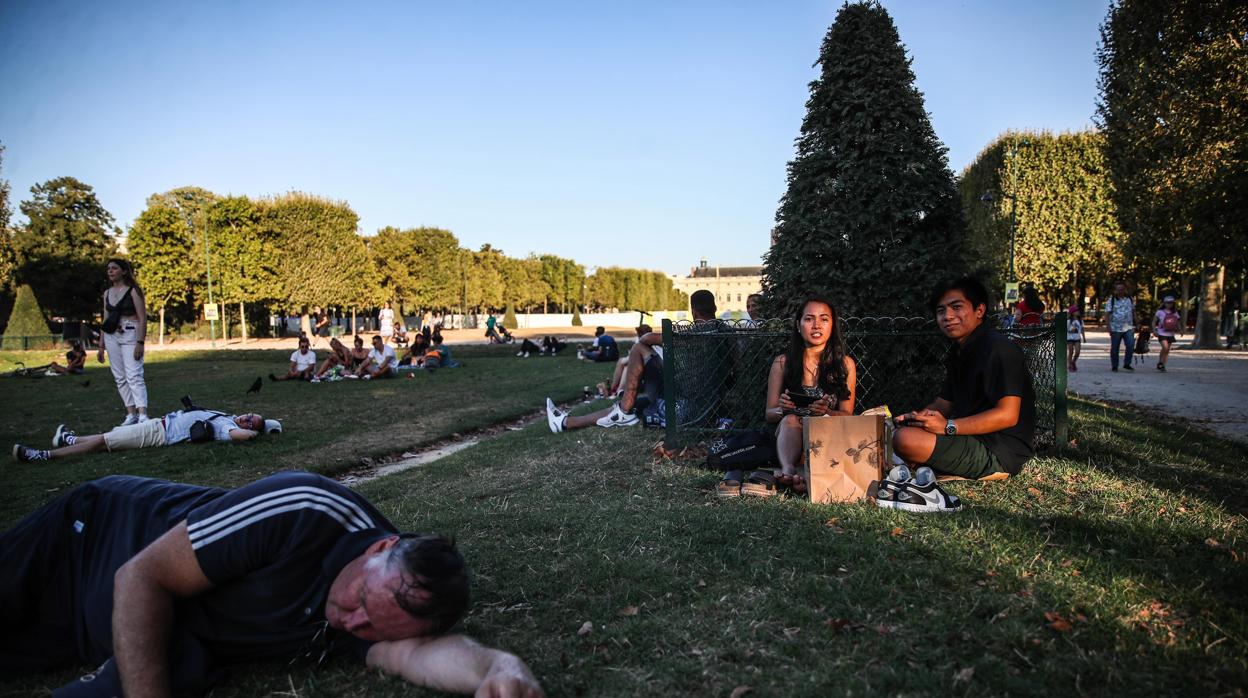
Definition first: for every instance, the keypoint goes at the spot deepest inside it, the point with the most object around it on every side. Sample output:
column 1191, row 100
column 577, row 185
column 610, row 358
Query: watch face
column 951, row 428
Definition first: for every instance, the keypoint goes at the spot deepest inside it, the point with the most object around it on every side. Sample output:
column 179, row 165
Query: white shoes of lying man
column 919, row 494
column 556, row 418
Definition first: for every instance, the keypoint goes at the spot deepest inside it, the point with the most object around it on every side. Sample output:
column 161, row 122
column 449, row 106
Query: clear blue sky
column 642, row 134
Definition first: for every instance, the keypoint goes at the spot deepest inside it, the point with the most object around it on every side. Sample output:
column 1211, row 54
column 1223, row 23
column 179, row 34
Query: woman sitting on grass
column 339, row 355
column 359, row 354
column 75, row 360
column 812, row 379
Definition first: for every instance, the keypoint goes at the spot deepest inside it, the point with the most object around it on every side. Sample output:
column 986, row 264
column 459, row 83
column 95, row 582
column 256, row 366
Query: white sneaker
column 141, row 418
column 58, row 440
column 618, row 418
column 130, row 419
column 580, row 354
column 554, row 417
column 315, row 380
column 520, row 353
column 367, row 376
column 526, row 354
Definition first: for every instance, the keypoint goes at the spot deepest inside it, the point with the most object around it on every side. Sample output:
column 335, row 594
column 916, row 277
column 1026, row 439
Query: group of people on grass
column 980, row 424
column 359, row 363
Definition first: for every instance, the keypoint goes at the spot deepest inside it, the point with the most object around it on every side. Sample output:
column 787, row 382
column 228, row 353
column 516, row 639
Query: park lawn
column 1116, row 567
column 330, row 427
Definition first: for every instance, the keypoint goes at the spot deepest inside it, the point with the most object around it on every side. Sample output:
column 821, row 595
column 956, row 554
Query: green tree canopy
column 321, row 259
column 26, row 319
column 164, row 258
column 245, row 253
column 418, row 266
column 871, row 216
column 62, row 250
column 1058, row 192
column 632, row 289
column 564, row 278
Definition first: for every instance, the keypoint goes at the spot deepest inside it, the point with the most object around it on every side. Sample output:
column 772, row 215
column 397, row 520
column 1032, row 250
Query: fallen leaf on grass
column 586, row 628
column 965, row 675
column 836, row 625
column 896, row 531
column 701, row 584
column 740, row 691
column 1057, row 622
column 629, row 611
column 883, row 629
column 1212, row 543
column 1034, row 492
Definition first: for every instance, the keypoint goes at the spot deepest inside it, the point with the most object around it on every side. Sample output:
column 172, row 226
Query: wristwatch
column 951, row 429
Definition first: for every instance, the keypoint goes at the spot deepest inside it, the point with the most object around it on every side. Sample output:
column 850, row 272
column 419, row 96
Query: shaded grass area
column 1115, row 567
column 330, row 427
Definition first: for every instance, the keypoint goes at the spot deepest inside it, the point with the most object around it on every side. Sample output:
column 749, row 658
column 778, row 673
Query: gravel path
column 1206, row 387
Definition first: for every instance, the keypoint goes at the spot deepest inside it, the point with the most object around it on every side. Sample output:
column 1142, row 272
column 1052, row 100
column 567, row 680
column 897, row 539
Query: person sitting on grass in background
column 400, row 333
column 415, row 354
column 982, row 421
column 1166, row 324
column 359, row 354
column 339, row 356
column 603, row 348
column 553, row 345
column 813, row 378
column 75, row 361
column 645, row 376
column 164, row 586
column 613, row 387
column 381, row 361
column 302, row 364
column 173, row 428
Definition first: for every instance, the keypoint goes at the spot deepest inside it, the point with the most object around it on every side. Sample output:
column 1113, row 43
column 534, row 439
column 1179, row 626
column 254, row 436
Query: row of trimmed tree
column 287, row 253
column 873, row 216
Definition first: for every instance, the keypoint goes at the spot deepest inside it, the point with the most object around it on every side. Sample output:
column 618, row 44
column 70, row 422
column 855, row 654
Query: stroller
column 1143, row 338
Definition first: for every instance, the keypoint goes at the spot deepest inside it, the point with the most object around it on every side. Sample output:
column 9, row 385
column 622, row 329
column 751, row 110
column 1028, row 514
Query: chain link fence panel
column 717, row 371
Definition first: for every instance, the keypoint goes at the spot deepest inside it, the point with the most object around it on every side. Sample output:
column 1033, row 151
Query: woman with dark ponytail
column 124, row 333
column 814, row 377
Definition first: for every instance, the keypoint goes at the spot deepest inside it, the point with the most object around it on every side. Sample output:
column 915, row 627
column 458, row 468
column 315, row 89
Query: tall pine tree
column 871, row 216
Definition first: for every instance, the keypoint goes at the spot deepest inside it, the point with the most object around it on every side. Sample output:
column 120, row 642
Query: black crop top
column 125, row 306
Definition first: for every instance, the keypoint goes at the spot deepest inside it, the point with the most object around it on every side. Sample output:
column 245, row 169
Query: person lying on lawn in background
column 174, row 428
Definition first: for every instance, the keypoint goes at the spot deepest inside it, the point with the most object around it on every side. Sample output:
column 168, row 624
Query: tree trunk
column 305, row 323
column 353, row 320
column 225, row 321
column 242, row 320
column 162, row 327
column 1187, row 300
column 1209, row 321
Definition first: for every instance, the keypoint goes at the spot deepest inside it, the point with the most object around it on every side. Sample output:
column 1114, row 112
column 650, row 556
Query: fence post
column 1061, row 427
column 672, row 438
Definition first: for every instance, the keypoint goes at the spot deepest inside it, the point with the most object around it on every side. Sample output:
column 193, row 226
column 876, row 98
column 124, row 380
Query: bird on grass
column 255, row 386
column 86, row 384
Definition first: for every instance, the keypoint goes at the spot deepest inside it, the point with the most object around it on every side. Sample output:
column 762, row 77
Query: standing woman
column 816, row 368
column 124, row 333
column 385, row 322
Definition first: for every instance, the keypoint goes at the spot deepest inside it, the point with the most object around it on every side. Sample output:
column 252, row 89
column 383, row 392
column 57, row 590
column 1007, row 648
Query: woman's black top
column 125, row 306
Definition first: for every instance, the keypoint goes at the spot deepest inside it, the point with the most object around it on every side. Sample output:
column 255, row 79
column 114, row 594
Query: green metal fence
column 718, row 370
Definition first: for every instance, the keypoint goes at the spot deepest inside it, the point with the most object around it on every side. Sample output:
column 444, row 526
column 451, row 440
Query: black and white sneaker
column 555, row 417
column 618, row 418
column 25, row 454
column 920, row 499
column 58, row 440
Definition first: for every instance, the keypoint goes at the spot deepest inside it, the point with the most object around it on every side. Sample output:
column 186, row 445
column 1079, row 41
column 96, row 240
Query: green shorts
column 965, row 456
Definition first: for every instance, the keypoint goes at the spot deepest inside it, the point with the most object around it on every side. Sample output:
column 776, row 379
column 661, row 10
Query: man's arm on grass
column 456, row 664
column 143, row 592
column 242, row 434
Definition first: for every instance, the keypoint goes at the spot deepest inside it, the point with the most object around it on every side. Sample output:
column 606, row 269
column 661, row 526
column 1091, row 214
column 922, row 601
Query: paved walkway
column 1206, row 387
column 453, row 337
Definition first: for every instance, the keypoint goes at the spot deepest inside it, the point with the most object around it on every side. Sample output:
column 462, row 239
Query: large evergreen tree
column 1174, row 109
column 62, row 250
column 871, row 216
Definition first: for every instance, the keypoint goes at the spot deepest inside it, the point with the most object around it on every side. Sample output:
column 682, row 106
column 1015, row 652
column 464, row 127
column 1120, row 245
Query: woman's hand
column 138, row 352
column 786, row 404
column 99, row 355
column 821, row 407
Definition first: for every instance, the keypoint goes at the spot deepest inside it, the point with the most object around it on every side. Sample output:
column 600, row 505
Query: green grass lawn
column 1119, row 566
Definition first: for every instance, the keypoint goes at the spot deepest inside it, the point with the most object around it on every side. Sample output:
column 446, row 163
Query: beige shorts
column 143, row 435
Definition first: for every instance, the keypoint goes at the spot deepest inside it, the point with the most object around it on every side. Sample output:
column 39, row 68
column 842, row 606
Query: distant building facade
column 731, row 285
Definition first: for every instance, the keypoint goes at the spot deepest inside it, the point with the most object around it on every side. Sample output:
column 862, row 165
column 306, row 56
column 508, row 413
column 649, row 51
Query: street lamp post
column 212, row 324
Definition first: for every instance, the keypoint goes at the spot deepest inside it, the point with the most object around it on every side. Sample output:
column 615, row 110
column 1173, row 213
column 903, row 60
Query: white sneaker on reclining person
column 617, row 418
column 131, row 418
column 142, row 417
column 58, row 440
column 555, row 417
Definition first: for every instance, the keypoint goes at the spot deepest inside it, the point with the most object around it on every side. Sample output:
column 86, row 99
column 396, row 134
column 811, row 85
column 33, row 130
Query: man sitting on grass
column 604, row 347
column 644, row 374
column 173, row 428
column 302, row 363
column 380, row 363
column 983, row 419
column 163, row 586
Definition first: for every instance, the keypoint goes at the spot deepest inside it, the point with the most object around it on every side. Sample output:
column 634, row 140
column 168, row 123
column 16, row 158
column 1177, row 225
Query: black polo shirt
column 985, row 369
column 271, row 550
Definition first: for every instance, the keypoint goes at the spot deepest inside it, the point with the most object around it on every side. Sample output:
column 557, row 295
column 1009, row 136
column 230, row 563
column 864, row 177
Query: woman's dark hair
column 1032, row 298
column 127, row 272
column 435, row 585
column 831, row 377
column 970, row 287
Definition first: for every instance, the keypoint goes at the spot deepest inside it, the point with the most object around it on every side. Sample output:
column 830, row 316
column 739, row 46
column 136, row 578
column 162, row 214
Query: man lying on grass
column 984, row 417
column 163, row 585
column 644, row 375
column 174, row 428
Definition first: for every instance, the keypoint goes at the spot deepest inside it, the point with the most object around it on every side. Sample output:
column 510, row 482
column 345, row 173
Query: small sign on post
column 1011, row 292
column 210, row 311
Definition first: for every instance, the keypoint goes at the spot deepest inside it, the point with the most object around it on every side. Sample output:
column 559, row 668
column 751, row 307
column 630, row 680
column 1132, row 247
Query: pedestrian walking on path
column 1120, row 320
